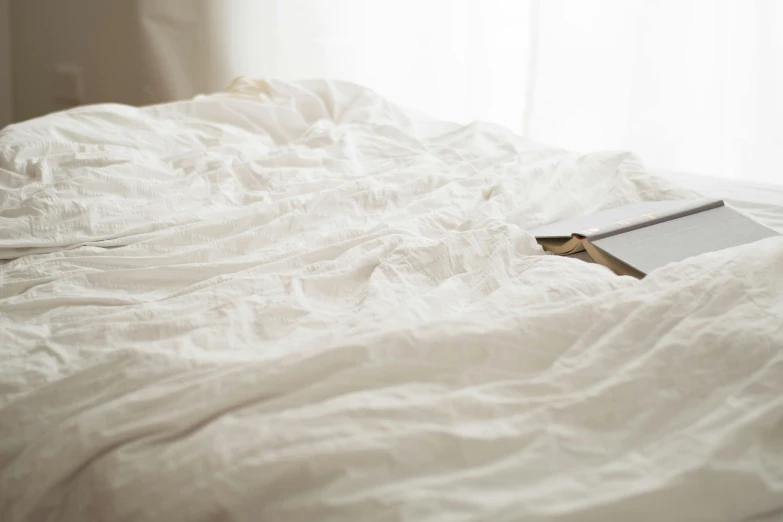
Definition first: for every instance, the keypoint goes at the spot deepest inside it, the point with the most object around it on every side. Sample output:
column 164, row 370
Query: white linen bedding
column 293, row 302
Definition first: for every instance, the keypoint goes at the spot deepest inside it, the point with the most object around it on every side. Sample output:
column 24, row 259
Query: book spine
column 646, row 220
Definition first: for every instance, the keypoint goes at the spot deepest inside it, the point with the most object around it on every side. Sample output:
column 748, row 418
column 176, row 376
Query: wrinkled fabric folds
column 299, row 302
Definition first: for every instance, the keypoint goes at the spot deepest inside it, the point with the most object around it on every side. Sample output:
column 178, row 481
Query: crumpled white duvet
column 294, row 302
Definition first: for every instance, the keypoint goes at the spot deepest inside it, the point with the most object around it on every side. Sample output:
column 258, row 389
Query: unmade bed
column 298, row 302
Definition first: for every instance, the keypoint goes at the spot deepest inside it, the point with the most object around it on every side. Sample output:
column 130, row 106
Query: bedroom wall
column 6, row 96
column 127, row 51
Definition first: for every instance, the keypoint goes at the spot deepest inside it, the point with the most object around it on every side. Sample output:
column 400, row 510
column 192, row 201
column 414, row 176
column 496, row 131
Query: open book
column 638, row 238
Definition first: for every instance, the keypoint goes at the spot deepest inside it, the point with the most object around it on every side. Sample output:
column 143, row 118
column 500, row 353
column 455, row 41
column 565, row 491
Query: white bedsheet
column 292, row 302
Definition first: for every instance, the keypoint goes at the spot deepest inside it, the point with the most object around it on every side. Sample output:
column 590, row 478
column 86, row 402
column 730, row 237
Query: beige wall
column 6, row 97
column 130, row 51
column 51, row 32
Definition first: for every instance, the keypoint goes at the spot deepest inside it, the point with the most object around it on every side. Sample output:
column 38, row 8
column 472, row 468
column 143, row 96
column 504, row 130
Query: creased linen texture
column 297, row 302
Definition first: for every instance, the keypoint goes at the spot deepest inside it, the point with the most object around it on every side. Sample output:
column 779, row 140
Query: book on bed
column 638, row 238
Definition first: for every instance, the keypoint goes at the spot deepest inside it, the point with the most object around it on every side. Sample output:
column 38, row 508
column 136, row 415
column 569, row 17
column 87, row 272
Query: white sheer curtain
column 690, row 85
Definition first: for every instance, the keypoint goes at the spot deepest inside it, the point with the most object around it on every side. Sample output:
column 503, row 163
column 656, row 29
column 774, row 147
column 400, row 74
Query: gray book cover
column 647, row 248
column 648, row 235
column 620, row 219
